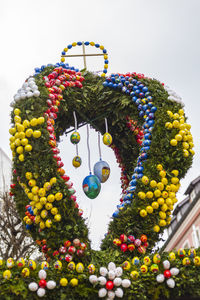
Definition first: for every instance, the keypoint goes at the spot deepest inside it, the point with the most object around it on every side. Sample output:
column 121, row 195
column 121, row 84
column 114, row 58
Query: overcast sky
column 155, row 37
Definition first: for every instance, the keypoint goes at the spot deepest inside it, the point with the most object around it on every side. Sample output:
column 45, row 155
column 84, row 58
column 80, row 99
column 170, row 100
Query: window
column 169, row 230
column 186, row 244
column 192, row 195
column 178, row 216
column 196, row 236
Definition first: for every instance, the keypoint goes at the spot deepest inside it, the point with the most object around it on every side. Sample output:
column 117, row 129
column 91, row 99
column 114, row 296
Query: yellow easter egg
column 172, row 256
column 156, row 258
column 28, row 148
column 79, row 268
column 34, row 122
column 58, row 265
column 37, row 134
column 74, row 282
column 57, row 217
column 20, row 262
column 58, row 196
column 144, row 269
column 7, row 274
column 45, row 265
column 48, row 223
column 134, row 275
column 10, row 263
column 145, row 180
column 32, row 264
column 25, row 272
column 156, row 228
column 63, row 282
column 143, row 213
column 107, row 139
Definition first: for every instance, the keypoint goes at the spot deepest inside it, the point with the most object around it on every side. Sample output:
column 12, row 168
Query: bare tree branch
column 14, row 239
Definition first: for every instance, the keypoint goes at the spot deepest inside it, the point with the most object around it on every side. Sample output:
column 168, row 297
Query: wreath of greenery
column 38, row 174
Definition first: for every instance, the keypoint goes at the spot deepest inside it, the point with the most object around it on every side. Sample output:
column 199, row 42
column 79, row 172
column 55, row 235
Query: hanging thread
column 99, row 145
column 88, row 147
column 75, row 125
column 75, row 120
column 106, row 124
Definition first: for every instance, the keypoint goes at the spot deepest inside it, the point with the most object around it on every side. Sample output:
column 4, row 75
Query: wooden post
column 84, row 57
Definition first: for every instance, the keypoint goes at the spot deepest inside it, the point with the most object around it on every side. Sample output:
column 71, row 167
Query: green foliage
column 92, row 104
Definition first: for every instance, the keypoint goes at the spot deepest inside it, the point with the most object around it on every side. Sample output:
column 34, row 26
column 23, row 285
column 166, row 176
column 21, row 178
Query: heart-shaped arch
column 152, row 163
column 119, row 98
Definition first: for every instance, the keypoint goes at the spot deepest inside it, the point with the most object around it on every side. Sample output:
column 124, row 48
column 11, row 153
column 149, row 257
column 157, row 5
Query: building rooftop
column 191, row 185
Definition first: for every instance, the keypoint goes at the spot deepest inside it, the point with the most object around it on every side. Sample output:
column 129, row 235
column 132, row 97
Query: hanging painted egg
column 76, row 162
column 75, row 137
column 91, row 186
column 102, row 170
column 107, row 139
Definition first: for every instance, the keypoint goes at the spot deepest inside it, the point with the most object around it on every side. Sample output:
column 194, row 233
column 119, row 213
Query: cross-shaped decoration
column 84, row 54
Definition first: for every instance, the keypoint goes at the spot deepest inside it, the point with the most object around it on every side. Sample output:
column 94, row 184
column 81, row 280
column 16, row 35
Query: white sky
column 157, row 38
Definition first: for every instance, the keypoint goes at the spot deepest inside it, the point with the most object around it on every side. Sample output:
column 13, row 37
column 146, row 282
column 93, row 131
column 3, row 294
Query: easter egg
column 63, row 281
column 75, row 137
column 137, row 242
column 144, row 269
column 1, row 262
column 172, row 256
column 10, row 262
column 156, row 258
column 74, row 282
column 134, row 275
column 154, row 268
column 107, row 139
column 197, row 260
column 68, row 258
column 147, row 260
column 126, row 265
column 21, row 262
column 167, row 274
column 186, row 261
column 7, row 274
column 25, row 272
column 141, row 249
column 102, row 170
column 192, row 253
column 71, row 266
column 117, row 242
column 131, row 247
column 79, row 268
column 91, row 269
column 32, row 264
column 44, row 265
column 91, row 186
column 143, row 238
column 135, row 261
column 76, row 162
column 166, row 264
column 58, row 265
column 181, row 252
column 145, row 180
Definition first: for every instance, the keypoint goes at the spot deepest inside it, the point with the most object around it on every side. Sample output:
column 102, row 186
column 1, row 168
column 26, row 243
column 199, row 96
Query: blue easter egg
column 102, row 170
column 91, row 186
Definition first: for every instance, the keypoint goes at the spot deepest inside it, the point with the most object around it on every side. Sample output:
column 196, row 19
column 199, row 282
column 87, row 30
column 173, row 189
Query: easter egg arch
column 149, row 131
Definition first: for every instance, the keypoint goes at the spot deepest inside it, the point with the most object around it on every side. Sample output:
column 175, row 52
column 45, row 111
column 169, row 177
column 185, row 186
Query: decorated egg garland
column 149, row 184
